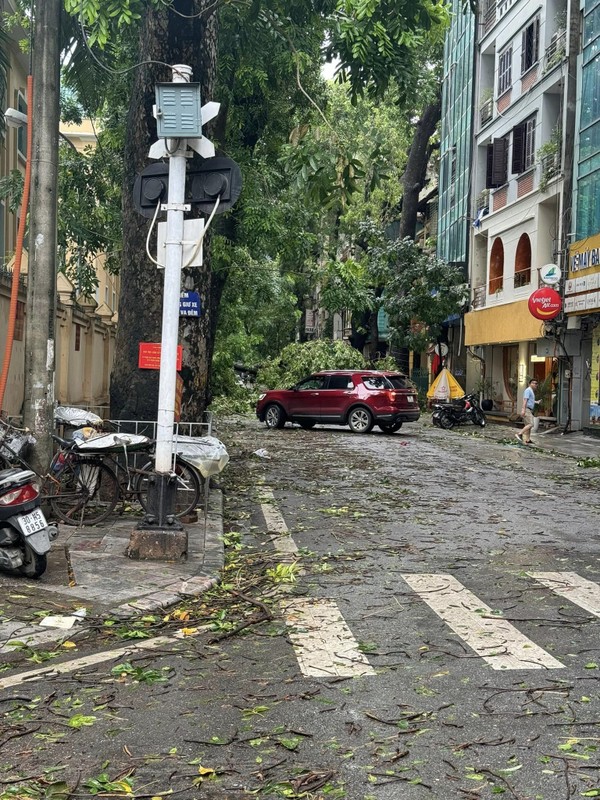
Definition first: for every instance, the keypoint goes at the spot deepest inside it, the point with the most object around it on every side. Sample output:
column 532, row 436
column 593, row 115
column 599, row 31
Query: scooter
column 25, row 535
column 460, row 411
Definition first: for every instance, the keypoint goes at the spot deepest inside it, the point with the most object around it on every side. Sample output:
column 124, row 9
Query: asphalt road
column 404, row 616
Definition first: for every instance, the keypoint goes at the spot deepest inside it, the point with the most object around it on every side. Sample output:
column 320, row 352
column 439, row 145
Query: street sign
column 190, row 304
column 149, row 355
column 545, row 303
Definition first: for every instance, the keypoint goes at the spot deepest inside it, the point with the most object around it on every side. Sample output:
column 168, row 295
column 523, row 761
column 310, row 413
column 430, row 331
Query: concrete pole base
column 158, row 545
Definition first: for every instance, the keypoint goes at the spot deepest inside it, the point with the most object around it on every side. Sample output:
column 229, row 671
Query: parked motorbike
column 458, row 412
column 25, row 536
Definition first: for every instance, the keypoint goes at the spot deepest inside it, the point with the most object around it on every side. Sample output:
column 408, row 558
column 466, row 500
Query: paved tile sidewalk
column 89, row 567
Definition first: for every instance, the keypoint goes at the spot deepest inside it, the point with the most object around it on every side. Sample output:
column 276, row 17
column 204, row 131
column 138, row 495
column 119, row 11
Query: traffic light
column 215, row 178
column 150, row 188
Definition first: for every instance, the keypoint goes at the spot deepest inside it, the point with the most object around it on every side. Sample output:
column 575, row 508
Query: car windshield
column 375, row 382
column 400, row 382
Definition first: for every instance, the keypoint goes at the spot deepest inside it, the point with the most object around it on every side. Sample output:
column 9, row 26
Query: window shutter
column 498, row 162
column 518, row 151
column 488, row 172
column 524, row 65
column 536, row 40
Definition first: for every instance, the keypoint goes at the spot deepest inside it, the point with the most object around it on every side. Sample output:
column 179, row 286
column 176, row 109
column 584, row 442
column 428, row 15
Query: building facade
column 519, row 206
column 86, row 327
column 456, row 145
column 582, row 295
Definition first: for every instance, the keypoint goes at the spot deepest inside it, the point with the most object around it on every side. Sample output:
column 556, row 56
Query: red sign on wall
column 545, row 303
column 149, row 356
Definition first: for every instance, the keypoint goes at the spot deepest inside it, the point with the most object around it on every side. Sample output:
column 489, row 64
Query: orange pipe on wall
column 14, row 293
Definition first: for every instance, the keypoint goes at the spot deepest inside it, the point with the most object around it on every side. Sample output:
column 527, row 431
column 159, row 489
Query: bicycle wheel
column 83, row 492
column 187, row 493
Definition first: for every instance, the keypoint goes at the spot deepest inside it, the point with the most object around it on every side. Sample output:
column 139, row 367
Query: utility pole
column 41, row 280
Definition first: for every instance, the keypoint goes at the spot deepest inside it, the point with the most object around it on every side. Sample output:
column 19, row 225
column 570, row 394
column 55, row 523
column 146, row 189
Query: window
column 530, row 45
column 77, row 337
column 20, row 322
column 496, row 174
column 340, row 382
column 496, row 267
column 523, row 262
column 375, row 383
column 22, row 130
column 106, row 295
column 312, row 383
column 505, row 71
column 523, row 149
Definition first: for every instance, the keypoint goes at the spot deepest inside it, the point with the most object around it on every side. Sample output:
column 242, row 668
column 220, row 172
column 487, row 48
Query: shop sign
column 545, row 303
column 550, row 274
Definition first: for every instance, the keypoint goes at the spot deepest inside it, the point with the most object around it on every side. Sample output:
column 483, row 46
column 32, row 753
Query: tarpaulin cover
column 87, row 442
column 207, row 453
column 68, row 415
column 445, row 387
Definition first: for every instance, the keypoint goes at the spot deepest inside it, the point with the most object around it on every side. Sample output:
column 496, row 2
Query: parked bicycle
column 86, row 480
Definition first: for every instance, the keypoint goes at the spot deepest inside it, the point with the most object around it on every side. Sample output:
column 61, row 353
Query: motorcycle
column 25, row 535
column 458, row 412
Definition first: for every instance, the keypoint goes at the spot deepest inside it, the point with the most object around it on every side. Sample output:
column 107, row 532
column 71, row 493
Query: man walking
column 529, row 401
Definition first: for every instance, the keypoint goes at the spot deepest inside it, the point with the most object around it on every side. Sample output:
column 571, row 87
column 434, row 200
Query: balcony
column 556, row 50
column 486, row 111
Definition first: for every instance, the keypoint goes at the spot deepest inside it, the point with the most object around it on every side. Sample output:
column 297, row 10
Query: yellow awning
column 502, row 324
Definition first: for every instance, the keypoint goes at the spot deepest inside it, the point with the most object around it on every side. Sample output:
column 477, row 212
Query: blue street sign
column 189, row 304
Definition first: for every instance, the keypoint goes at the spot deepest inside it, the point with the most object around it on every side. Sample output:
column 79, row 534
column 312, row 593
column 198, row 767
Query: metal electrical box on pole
column 159, row 189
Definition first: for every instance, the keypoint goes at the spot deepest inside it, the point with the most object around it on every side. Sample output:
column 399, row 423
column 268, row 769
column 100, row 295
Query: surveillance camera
column 14, row 118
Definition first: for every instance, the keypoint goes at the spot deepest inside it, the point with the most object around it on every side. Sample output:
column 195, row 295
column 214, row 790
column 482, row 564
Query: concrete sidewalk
column 89, row 567
column 573, row 445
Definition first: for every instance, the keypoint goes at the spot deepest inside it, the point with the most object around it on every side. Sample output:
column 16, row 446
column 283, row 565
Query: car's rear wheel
column 360, row 420
column 307, row 424
column 390, row 427
column 274, row 416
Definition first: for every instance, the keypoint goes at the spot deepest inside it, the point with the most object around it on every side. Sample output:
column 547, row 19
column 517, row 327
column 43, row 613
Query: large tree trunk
column 169, row 38
column 415, row 173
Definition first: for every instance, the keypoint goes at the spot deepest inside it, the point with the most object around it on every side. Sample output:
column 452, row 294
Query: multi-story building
column 86, row 327
column 582, row 298
column 519, row 207
column 453, row 221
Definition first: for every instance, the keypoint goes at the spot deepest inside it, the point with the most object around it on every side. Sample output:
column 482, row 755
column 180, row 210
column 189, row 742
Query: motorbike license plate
column 33, row 522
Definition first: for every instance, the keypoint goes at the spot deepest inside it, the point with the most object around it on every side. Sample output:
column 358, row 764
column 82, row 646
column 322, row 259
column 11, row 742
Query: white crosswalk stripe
column 573, row 587
column 323, row 642
column 275, row 523
column 498, row 642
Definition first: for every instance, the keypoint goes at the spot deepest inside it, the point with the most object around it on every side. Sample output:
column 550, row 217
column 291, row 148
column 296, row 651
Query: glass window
column 314, row 382
column 376, row 382
column 505, row 71
column 340, row 382
column 590, row 93
column 401, row 382
column 591, row 24
column 530, row 45
column 588, row 205
column 22, row 130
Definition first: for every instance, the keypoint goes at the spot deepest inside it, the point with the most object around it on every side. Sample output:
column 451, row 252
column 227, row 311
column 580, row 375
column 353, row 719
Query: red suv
column 358, row 398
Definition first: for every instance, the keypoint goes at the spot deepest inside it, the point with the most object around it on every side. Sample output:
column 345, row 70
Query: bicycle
column 85, row 488
column 88, row 486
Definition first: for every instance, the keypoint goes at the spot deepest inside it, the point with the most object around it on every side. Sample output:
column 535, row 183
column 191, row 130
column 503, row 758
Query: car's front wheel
column 390, row 427
column 360, row 420
column 274, row 416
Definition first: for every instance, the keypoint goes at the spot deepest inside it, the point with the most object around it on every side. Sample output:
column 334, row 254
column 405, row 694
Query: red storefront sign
column 149, row 356
column 545, row 303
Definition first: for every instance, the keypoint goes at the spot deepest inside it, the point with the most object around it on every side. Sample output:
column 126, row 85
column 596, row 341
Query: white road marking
column 96, row 658
column 275, row 523
column 495, row 640
column 577, row 590
column 324, row 644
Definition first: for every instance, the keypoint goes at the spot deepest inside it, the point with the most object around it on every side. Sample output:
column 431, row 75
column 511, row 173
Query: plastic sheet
column 109, row 441
column 206, row 453
column 68, row 415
